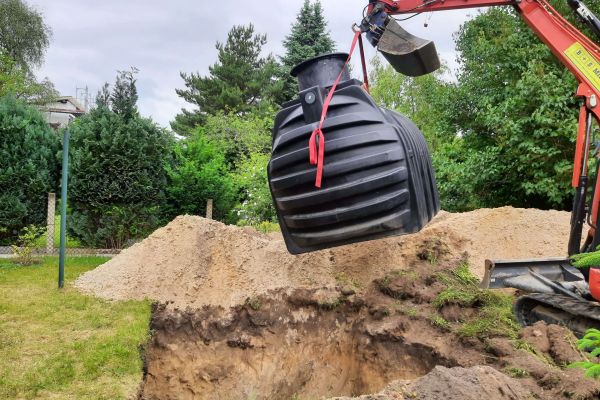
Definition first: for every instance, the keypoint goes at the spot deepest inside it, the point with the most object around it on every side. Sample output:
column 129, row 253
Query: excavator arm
column 415, row 56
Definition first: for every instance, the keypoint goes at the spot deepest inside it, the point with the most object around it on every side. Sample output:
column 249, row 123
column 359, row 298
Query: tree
column 237, row 137
column 198, row 173
column 237, row 83
column 117, row 185
column 515, row 110
column 423, row 99
column 22, row 85
column 308, row 38
column 24, row 36
column 255, row 204
column 28, row 167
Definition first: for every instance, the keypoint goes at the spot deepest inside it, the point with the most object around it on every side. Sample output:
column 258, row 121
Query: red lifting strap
column 317, row 156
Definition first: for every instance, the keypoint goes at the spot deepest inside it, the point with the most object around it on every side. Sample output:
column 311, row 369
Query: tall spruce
column 309, row 38
column 238, row 82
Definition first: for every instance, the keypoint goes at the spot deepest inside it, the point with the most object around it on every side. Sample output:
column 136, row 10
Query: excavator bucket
column 408, row 54
column 552, row 275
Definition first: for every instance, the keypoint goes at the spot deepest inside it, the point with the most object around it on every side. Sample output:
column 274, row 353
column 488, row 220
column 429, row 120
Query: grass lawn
column 71, row 243
column 62, row 344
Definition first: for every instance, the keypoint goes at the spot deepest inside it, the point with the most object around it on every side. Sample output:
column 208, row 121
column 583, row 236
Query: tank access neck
column 321, row 71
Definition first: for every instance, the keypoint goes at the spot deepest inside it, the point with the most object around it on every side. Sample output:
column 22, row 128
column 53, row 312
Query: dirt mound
column 194, row 261
column 456, row 383
column 319, row 343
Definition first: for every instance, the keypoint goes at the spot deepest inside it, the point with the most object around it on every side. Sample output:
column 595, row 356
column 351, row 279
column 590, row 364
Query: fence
column 50, row 250
column 7, row 252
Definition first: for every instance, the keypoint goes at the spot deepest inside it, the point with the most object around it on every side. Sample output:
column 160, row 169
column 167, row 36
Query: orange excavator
column 556, row 291
column 373, row 173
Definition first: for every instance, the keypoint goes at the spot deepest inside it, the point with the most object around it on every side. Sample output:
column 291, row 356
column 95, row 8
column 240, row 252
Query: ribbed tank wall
column 377, row 178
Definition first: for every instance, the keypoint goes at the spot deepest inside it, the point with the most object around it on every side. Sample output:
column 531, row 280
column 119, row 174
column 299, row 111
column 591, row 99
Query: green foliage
column 421, row 99
column 117, row 177
column 26, row 244
column 308, row 38
column 72, row 243
column 590, row 259
column 124, row 96
column 20, row 83
column 24, row 36
column 238, row 137
column 516, row 113
column 240, row 81
column 439, row 322
column 256, row 203
column 516, row 372
column 198, row 173
column 590, row 343
column 28, row 167
column 267, row 227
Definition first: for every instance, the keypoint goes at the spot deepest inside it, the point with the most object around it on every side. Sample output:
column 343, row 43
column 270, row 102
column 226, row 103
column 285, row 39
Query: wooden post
column 209, row 208
column 50, row 223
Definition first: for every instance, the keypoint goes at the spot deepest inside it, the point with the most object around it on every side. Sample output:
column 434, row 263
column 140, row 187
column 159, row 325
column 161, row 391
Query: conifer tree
column 309, row 38
column 238, row 82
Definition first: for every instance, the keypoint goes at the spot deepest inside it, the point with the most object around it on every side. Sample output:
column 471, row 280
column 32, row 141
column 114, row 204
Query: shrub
column 28, row 167
column 117, row 170
column 26, row 244
column 256, row 204
column 199, row 173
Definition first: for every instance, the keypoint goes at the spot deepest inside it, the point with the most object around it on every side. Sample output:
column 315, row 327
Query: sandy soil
column 238, row 317
column 322, row 343
column 194, row 261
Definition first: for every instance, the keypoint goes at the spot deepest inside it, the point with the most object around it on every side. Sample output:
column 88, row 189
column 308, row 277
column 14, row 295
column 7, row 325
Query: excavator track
column 577, row 315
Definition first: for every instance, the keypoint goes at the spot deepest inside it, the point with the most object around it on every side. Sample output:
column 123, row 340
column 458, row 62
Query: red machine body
column 582, row 57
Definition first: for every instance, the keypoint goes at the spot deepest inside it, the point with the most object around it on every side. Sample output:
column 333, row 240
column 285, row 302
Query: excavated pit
column 294, row 344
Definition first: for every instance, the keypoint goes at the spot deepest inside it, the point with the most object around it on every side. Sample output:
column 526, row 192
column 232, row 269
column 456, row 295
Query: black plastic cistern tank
column 378, row 179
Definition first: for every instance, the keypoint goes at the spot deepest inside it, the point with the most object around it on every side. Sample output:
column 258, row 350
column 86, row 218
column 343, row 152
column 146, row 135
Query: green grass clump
column 516, row 372
column 494, row 316
column 62, row 344
column 440, row 322
column 343, row 279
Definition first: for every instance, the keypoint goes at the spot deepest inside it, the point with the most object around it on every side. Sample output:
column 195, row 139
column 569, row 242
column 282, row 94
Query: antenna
column 82, row 94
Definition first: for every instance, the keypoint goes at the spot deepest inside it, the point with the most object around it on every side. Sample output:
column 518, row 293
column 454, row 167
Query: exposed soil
column 321, row 343
column 237, row 317
column 194, row 261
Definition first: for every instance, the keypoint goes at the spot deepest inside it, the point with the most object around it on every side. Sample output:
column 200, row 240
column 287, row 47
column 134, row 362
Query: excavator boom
column 548, row 280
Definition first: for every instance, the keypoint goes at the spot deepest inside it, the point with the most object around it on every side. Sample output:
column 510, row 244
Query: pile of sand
column 194, row 261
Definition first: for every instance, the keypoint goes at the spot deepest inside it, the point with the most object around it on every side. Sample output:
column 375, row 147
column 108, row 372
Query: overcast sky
column 93, row 39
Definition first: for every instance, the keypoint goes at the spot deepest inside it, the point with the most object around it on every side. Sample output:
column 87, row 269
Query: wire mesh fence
column 7, row 251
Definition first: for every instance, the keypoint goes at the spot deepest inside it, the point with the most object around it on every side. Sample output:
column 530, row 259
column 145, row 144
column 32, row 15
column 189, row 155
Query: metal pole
column 63, row 210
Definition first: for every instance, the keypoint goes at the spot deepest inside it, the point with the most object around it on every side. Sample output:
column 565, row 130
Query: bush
column 26, row 244
column 199, row 173
column 256, row 203
column 118, row 180
column 28, row 167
